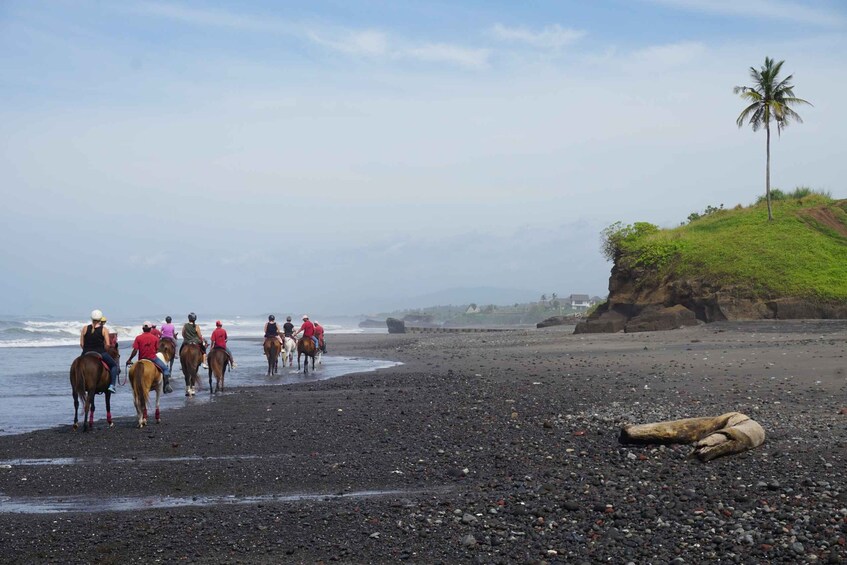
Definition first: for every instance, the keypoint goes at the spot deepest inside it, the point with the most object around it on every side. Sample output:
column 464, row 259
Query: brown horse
column 145, row 376
column 90, row 376
column 190, row 357
column 272, row 348
column 306, row 346
column 167, row 348
column 218, row 361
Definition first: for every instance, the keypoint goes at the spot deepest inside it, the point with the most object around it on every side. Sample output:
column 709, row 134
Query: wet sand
column 489, row 447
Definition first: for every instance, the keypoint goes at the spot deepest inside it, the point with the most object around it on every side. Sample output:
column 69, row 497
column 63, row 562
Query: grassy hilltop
column 801, row 253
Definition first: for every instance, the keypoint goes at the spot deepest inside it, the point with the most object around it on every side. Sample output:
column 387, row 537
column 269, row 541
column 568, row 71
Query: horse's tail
column 138, row 384
column 77, row 381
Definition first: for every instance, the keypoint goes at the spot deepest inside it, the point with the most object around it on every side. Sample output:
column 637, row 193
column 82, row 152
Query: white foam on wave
column 62, row 333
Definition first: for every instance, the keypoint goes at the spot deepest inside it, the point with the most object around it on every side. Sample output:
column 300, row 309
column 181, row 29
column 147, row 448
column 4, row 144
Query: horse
column 167, row 347
column 145, row 376
column 272, row 347
column 288, row 351
column 306, row 346
column 89, row 376
column 218, row 361
column 190, row 357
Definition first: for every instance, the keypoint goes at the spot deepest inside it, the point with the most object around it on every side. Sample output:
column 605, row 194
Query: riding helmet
column 168, row 319
column 288, row 319
column 271, row 318
column 192, row 317
column 96, row 315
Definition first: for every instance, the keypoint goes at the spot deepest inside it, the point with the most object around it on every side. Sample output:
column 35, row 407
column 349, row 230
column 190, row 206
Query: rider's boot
column 167, row 386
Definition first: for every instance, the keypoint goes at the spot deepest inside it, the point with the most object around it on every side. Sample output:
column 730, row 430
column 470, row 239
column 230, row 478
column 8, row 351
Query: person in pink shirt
column 169, row 331
column 219, row 339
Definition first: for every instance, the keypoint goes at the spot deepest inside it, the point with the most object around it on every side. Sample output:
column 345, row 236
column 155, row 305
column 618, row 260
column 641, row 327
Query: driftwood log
column 726, row 434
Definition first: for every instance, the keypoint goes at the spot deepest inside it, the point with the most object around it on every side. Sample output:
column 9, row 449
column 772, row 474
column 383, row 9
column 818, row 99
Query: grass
column 795, row 255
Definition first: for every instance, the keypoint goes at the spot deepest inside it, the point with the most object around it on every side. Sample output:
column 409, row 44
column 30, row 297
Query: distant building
column 473, row 309
column 580, row 301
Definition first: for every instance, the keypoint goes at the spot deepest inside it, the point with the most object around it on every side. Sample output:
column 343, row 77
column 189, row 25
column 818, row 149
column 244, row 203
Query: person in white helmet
column 95, row 338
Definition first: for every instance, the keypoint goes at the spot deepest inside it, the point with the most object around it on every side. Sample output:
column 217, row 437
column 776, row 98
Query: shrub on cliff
column 802, row 253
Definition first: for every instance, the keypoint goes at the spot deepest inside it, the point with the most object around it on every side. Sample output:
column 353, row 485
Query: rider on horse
column 219, row 339
column 155, row 331
column 146, row 344
column 94, row 338
column 308, row 330
column 272, row 330
column 319, row 334
column 191, row 335
column 288, row 327
column 169, row 331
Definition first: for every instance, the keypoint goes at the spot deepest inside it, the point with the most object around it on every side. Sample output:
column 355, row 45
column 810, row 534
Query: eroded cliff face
column 637, row 303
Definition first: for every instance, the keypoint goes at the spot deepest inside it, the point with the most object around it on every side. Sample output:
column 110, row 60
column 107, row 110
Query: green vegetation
column 801, row 253
column 770, row 98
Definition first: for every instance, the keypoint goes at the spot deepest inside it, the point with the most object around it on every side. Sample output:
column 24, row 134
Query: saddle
column 151, row 363
column 99, row 358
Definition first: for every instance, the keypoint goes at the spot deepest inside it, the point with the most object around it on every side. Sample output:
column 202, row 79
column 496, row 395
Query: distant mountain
column 480, row 295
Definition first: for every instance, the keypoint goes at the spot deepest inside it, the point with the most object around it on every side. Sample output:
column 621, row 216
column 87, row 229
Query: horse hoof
column 111, row 424
column 75, row 427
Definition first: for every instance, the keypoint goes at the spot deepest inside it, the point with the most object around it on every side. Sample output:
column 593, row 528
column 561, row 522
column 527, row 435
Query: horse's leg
column 76, row 408
column 159, row 388
column 210, row 378
column 91, row 414
column 109, row 409
column 186, row 376
column 223, row 374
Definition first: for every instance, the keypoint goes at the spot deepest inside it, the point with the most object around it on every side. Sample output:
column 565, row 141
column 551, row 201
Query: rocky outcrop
column 395, row 326
column 370, row 323
column 638, row 303
column 559, row 321
column 656, row 318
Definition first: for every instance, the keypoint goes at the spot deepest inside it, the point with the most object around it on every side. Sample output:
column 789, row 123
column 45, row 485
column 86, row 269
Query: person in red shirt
column 319, row 333
column 146, row 344
column 219, row 339
column 308, row 330
column 155, row 331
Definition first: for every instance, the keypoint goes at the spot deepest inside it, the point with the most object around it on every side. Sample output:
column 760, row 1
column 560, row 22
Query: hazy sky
column 341, row 156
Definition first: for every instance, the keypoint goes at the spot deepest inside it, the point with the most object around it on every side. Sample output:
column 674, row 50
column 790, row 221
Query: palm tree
column 770, row 99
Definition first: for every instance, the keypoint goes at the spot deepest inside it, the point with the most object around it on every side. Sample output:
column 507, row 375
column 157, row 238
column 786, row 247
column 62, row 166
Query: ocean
column 36, row 354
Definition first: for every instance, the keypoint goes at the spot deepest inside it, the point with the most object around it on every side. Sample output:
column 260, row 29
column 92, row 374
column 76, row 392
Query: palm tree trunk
column 768, row 172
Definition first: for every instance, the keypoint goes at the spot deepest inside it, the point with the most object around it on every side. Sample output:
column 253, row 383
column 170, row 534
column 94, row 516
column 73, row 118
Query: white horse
column 288, row 350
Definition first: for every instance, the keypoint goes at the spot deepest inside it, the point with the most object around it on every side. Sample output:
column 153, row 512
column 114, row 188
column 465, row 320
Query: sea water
column 36, row 355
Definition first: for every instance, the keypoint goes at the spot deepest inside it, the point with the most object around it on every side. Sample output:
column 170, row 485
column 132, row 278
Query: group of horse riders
column 95, row 338
column 309, row 329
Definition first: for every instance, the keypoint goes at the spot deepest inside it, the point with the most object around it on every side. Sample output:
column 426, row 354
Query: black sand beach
column 482, row 447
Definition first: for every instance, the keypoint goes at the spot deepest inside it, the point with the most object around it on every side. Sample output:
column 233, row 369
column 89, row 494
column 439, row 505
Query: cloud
column 551, row 37
column 670, row 55
column 446, row 53
column 370, row 43
column 213, row 18
column 765, row 9
column 153, row 260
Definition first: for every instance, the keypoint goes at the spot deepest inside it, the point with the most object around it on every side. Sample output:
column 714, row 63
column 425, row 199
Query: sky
column 345, row 157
